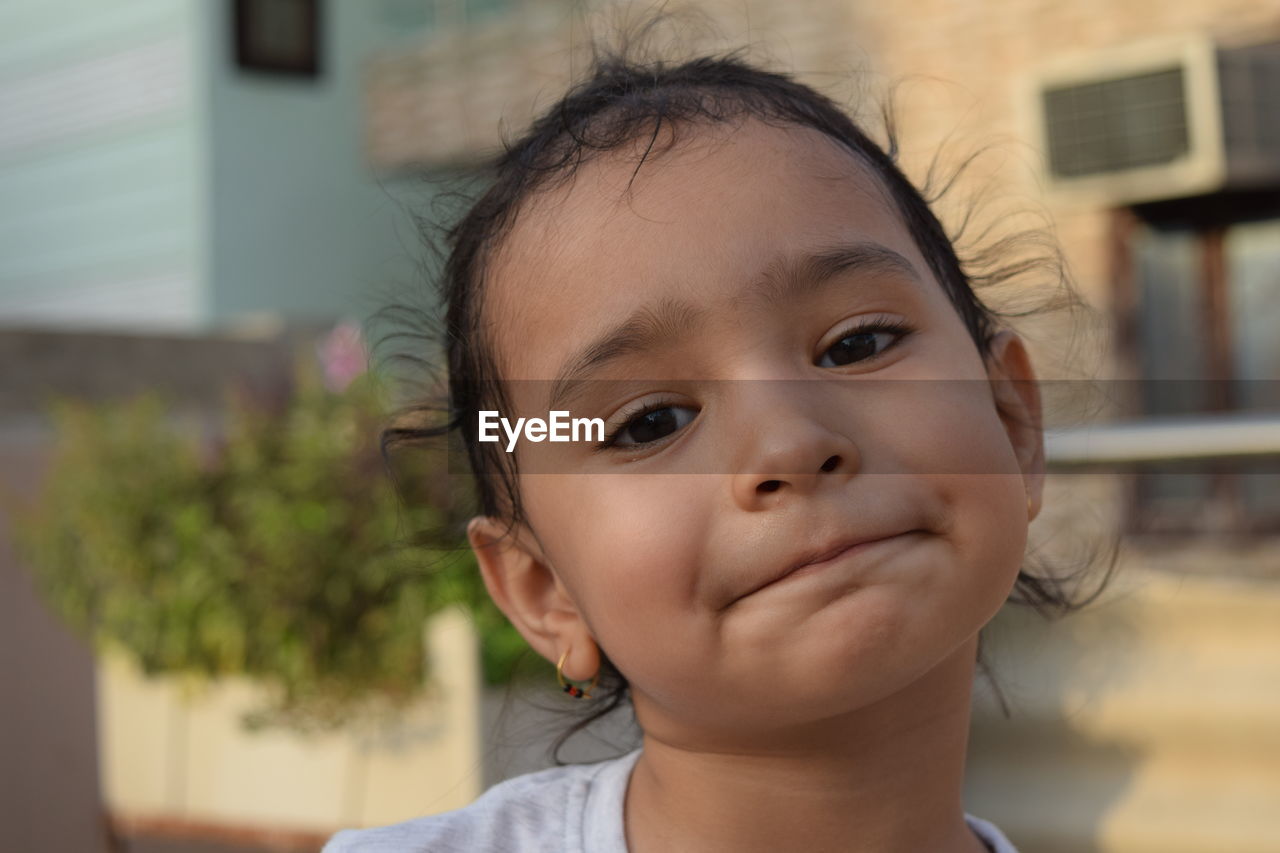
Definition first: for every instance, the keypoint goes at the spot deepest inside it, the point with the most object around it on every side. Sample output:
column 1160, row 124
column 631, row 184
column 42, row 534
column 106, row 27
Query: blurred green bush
column 275, row 548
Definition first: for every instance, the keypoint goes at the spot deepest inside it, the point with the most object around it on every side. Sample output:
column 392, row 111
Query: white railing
column 1165, row 439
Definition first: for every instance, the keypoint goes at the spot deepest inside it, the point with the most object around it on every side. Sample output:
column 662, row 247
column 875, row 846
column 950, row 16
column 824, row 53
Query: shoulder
column 533, row 813
column 990, row 834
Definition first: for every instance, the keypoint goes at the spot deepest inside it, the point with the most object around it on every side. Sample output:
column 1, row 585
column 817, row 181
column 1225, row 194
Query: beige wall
column 981, row 53
column 958, row 67
column 1144, row 723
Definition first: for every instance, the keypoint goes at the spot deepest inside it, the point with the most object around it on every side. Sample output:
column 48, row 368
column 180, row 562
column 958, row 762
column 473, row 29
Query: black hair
column 624, row 98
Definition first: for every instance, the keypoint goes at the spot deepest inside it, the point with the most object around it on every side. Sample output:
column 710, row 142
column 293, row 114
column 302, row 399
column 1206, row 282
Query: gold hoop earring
column 572, row 689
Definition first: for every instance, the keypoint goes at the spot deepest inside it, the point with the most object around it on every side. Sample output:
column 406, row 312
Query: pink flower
column 342, row 356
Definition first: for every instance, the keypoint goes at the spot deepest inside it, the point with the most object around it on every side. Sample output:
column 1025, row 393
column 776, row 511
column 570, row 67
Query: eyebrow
column 784, row 280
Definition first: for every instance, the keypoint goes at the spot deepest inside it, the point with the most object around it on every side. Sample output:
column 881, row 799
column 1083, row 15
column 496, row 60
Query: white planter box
column 172, row 756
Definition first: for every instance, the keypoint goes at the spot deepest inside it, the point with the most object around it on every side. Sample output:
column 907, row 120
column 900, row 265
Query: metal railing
column 1166, row 439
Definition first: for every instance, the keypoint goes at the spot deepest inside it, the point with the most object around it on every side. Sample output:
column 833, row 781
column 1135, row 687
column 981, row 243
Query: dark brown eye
column 860, row 343
column 651, row 424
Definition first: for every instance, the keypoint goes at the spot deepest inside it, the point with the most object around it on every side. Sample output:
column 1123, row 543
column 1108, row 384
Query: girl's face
column 779, row 435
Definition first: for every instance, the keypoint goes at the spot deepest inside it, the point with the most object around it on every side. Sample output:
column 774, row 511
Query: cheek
column 959, row 441
column 947, row 427
column 647, row 535
column 628, row 545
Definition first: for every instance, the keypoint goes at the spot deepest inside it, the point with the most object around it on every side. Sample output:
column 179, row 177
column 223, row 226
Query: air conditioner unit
column 1159, row 119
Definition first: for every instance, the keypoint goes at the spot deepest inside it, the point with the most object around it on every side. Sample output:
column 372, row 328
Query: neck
column 888, row 777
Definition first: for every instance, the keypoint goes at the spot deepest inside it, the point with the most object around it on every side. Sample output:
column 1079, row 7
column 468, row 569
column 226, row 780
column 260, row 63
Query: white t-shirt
column 576, row 808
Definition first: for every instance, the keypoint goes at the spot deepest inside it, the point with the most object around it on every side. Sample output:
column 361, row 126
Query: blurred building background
column 181, row 166
column 184, row 174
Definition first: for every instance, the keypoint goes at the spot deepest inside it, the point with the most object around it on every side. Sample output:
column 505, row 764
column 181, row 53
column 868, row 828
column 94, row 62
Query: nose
column 795, row 442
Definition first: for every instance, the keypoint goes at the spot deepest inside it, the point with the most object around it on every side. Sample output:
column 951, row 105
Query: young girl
column 821, row 454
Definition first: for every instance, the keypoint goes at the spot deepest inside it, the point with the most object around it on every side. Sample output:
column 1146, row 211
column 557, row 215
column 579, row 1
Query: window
column 1200, row 327
column 278, row 36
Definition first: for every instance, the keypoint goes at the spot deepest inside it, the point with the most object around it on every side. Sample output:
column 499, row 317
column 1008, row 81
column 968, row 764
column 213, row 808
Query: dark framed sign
column 278, row 36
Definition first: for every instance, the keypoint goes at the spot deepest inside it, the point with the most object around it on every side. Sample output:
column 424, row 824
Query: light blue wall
column 100, row 152
column 147, row 183
column 300, row 227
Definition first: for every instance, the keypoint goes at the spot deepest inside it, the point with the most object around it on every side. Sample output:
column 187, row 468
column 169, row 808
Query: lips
column 823, row 554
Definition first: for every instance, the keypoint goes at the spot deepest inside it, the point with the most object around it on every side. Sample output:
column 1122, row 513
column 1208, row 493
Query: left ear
column 1017, row 398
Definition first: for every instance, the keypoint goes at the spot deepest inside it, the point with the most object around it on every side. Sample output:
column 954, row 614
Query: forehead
column 697, row 223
